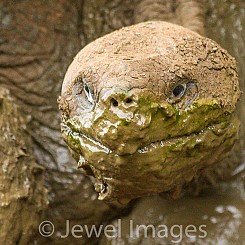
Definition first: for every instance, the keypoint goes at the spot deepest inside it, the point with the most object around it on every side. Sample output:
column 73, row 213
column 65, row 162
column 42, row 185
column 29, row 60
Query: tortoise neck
column 188, row 13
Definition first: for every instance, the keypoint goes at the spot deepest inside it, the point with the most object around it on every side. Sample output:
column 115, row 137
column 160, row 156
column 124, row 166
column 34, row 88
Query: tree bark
column 23, row 197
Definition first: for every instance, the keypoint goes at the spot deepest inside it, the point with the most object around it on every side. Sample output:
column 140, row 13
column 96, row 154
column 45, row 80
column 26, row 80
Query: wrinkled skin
column 149, row 104
column 38, row 39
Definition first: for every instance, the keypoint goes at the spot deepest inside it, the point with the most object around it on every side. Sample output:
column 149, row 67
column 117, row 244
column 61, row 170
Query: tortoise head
column 147, row 107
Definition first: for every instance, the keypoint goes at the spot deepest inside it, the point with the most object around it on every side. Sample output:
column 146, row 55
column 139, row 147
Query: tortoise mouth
column 161, row 163
column 104, row 185
column 97, row 145
column 94, row 145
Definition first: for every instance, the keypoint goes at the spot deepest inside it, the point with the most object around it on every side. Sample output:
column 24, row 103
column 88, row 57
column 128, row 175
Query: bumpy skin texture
column 126, row 125
column 23, row 197
column 38, row 40
column 187, row 13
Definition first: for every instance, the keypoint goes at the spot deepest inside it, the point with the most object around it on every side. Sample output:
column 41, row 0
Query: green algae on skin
column 210, row 132
column 125, row 122
column 188, row 121
column 174, row 143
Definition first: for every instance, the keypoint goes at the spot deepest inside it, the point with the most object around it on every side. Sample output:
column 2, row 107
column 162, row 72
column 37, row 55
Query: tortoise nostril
column 114, row 102
column 128, row 100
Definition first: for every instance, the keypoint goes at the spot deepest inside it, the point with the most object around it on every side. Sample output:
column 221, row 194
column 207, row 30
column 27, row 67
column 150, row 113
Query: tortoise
column 151, row 108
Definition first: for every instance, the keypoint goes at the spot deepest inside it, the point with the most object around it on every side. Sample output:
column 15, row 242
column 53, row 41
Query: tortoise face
column 145, row 109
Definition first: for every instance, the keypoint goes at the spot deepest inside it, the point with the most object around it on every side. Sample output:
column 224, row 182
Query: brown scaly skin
column 38, row 39
column 127, row 125
column 187, row 13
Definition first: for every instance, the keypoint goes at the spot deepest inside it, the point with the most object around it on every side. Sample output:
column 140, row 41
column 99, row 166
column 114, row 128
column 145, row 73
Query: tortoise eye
column 183, row 94
column 88, row 93
column 83, row 95
column 179, row 90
